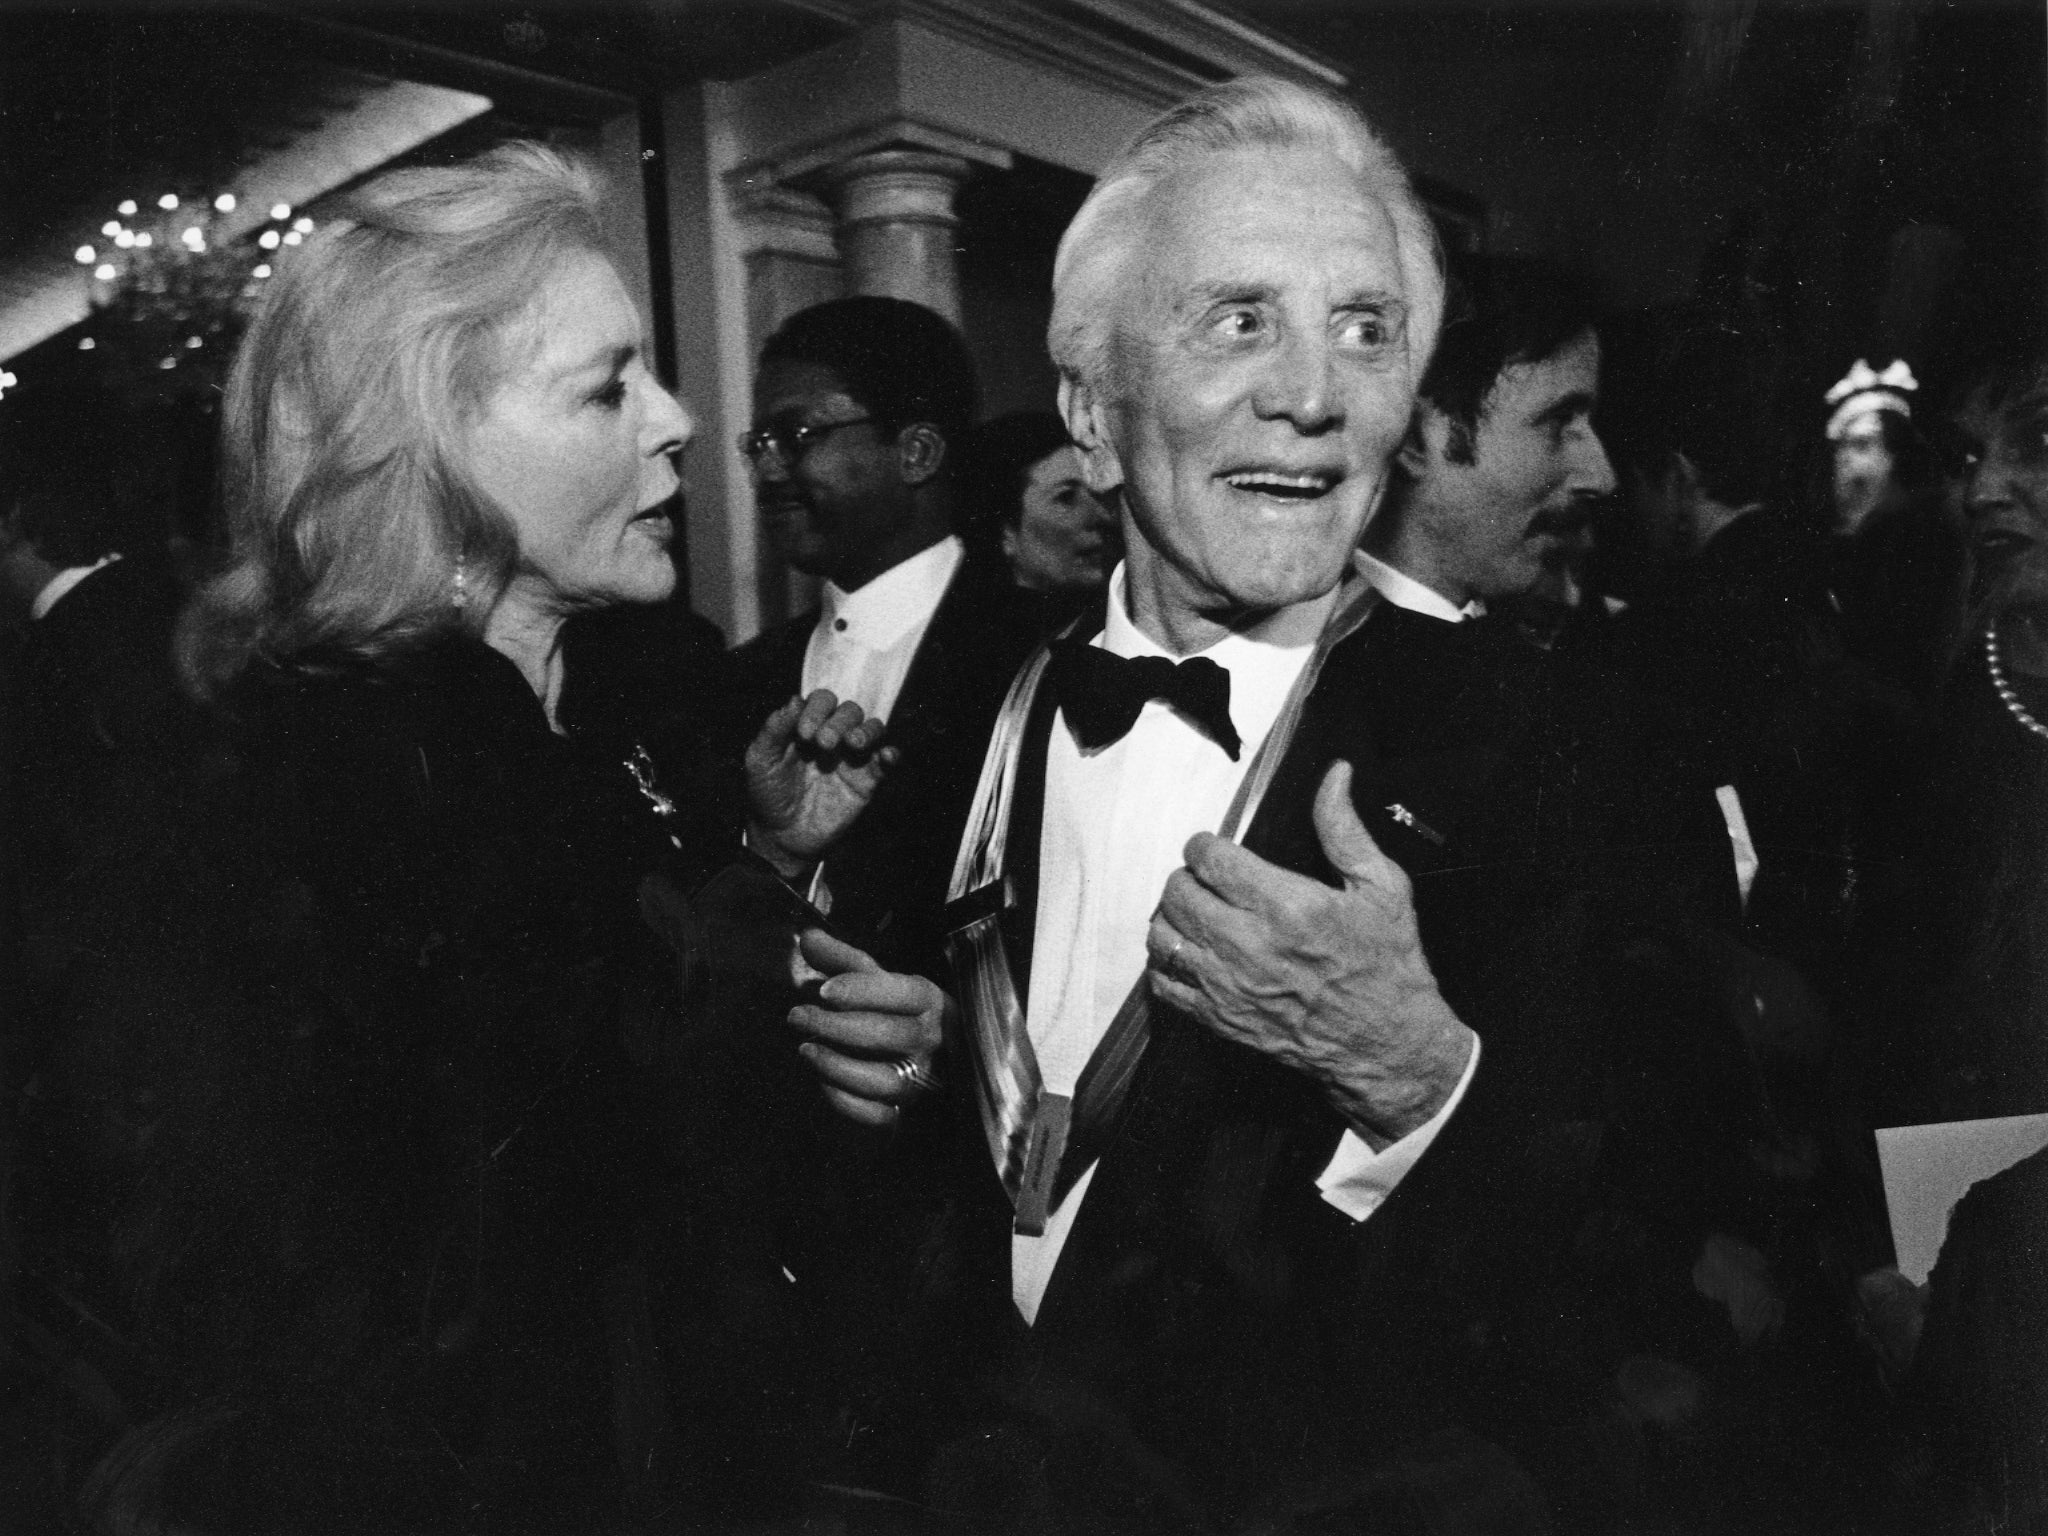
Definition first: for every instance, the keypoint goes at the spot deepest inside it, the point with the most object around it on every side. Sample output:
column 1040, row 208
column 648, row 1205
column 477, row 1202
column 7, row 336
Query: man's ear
column 1417, row 445
column 1082, row 408
column 920, row 450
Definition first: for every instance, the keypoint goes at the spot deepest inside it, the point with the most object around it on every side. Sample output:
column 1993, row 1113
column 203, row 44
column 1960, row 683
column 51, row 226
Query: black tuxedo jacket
column 1214, row 1327
column 888, row 875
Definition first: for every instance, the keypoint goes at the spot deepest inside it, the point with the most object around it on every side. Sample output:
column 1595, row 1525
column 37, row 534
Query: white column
column 897, row 225
column 792, row 261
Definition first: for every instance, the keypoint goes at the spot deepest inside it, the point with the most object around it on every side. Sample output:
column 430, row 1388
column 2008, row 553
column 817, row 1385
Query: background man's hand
column 864, row 1022
column 1332, row 983
column 810, row 772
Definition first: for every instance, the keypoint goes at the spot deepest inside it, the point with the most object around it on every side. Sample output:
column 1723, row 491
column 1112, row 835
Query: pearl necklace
column 2011, row 699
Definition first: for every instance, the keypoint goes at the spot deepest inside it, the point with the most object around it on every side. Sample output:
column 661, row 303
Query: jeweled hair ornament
column 1862, row 391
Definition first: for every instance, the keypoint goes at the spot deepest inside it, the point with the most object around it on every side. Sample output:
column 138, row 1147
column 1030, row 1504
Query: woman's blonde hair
column 355, row 526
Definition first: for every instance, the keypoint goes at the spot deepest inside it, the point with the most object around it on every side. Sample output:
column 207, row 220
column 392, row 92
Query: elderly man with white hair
column 1238, row 1136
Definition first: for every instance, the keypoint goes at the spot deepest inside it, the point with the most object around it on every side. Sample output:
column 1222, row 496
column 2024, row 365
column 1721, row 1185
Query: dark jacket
column 100, row 750
column 888, row 875
column 1977, row 1399
column 342, row 1133
column 1953, row 953
column 1215, row 1331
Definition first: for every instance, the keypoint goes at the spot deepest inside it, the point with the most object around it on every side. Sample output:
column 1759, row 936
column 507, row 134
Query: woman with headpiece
column 1896, row 560
column 381, row 1047
column 1868, row 432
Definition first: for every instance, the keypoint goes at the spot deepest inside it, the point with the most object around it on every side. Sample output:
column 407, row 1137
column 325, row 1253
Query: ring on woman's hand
column 1171, row 964
column 916, row 1073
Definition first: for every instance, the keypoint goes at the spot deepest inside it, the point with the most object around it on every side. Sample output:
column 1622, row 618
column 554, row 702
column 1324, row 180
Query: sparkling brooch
column 641, row 766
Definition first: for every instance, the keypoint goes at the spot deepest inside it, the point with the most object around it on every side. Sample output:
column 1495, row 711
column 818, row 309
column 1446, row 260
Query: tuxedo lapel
column 976, row 616
column 889, row 874
column 1426, row 713
column 1020, row 921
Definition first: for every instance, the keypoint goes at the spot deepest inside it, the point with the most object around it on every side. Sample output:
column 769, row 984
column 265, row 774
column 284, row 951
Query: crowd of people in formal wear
column 1310, row 938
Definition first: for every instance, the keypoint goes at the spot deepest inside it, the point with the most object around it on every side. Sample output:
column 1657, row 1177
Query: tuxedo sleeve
column 1358, row 1180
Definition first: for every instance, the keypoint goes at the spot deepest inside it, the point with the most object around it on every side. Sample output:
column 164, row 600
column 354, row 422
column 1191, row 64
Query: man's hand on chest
column 1333, row 983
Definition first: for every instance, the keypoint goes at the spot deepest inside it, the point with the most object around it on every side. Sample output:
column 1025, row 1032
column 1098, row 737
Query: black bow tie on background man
column 1103, row 693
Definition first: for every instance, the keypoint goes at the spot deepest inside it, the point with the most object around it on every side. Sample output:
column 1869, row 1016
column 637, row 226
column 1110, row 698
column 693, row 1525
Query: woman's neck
column 529, row 632
column 2022, row 647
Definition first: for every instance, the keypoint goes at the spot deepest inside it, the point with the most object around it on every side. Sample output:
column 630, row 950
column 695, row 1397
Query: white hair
column 1256, row 112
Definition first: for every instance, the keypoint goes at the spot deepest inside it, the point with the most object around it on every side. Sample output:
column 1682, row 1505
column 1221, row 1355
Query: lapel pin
column 1407, row 818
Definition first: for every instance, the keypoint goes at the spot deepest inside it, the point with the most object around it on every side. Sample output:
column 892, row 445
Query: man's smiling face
column 1262, row 377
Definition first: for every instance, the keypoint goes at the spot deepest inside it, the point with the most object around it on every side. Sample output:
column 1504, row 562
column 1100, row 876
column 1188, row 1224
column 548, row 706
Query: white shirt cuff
column 1358, row 1179
column 1744, row 846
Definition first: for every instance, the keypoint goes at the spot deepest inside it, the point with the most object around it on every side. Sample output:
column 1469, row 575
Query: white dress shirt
column 1116, row 820
column 59, row 586
column 866, row 640
column 1404, row 591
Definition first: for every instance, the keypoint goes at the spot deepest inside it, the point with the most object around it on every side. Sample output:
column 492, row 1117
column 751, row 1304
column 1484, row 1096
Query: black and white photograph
column 1024, row 768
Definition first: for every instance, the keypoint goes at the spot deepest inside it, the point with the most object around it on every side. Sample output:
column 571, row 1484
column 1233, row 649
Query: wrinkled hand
column 1332, row 983
column 810, row 772
column 865, row 1021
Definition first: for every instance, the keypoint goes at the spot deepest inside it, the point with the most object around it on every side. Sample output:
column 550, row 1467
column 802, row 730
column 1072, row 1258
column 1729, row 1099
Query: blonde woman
column 392, row 1016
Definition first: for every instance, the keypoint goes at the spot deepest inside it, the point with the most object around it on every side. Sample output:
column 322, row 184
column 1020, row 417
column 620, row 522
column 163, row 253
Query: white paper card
column 1928, row 1168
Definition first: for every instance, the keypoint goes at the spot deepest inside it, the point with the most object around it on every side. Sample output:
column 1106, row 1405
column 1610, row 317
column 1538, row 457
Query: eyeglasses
column 792, row 442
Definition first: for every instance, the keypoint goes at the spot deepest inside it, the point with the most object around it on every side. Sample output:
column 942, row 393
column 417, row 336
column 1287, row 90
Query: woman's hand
column 872, row 1033
column 810, row 772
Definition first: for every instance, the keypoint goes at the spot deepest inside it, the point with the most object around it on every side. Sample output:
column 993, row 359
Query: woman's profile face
column 2006, row 502
column 1863, row 471
column 576, row 446
column 1064, row 539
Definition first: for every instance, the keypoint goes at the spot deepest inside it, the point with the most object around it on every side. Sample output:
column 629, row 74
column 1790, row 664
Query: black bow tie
column 1103, row 694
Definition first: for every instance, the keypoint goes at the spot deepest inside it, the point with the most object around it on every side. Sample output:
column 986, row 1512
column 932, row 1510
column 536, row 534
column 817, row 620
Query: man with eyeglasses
column 804, row 1227
column 859, row 406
